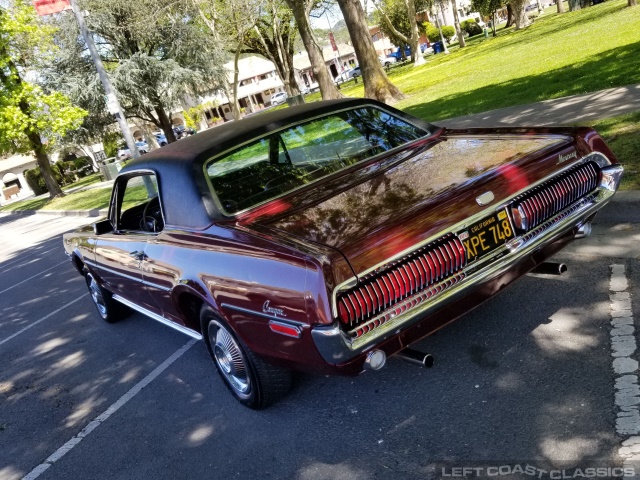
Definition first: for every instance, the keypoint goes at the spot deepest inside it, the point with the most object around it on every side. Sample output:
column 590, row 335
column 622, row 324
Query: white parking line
column 29, row 260
column 67, row 447
column 33, row 276
column 33, row 324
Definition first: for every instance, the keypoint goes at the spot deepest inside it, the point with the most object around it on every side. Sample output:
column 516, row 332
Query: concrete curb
column 62, row 213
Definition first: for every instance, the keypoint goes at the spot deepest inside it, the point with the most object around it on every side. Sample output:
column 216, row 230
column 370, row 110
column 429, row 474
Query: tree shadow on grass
column 607, row 69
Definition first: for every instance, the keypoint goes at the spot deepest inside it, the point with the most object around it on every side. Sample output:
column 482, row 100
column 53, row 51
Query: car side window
column 139, row 204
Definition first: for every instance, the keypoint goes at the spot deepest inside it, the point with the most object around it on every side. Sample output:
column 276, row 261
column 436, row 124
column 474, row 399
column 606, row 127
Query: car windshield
column 286, row 160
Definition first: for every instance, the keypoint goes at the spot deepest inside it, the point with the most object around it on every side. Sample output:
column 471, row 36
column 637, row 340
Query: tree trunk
column 442, row 39
column 321, row 73
column 393, row 29
column 376, row 83
column 165, row 123
column 574, row 5
column 45, row 166
column 147, row 134
column 34, row 139
column 456, row 23
column 416, row 53
column 519, row 13
column 235, row 105
column 286, row 58
column 493, row 23
column 276, row 51
column 560, row 5
column 510, row 16
column 633, row 3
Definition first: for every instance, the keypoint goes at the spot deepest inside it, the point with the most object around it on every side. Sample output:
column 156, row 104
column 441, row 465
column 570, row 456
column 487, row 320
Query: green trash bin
column 295, row 100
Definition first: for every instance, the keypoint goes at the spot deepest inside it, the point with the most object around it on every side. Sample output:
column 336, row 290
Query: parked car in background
column 386, row 61
column 123, row 151
column 180, row 131
column 348, row 75
column 161, row 139
column 329, row 236
column 278, row 98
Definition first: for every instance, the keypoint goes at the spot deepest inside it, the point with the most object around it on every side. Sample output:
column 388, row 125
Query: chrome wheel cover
column 229, row 359
column 97, row 297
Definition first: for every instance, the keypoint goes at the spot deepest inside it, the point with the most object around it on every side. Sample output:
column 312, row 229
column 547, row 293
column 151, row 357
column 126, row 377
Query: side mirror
column 103, row 226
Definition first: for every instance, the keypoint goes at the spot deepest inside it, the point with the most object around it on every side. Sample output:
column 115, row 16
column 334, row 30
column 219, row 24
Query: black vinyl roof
column 186, row 197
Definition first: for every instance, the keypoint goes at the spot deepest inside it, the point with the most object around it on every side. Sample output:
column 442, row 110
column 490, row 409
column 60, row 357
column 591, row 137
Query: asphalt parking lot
column 527, row 378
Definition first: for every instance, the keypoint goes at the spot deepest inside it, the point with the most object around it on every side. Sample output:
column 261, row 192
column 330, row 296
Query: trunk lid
column 435, row 187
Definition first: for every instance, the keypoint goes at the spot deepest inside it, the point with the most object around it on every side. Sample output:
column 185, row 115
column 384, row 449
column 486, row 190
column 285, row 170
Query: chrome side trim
column 597, row 157
column 158, row 318
column 336, row 346
column 284, row 321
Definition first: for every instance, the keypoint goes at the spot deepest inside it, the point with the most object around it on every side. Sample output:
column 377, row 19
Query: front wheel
column 110, row 310
column 255, row 383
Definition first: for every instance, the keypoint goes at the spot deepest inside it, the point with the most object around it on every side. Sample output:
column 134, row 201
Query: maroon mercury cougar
column 328, row 236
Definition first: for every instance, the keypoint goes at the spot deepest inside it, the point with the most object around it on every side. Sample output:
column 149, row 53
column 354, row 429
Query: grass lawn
column 84, row 200
column 558, row 55
column 622, row 134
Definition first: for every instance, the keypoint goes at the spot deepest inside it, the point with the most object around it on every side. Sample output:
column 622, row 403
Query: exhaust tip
column 584, row 230
column 376, row 359
column 416, row 357
column 550, row 268
column 428, row 361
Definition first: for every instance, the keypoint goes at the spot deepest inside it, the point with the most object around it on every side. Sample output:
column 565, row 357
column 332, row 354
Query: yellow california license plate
column 487, row 235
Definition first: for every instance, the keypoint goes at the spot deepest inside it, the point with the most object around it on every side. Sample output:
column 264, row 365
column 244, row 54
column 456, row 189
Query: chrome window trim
column 596, row 157
column 393, row 151
column 117, row 185
column 158, row 318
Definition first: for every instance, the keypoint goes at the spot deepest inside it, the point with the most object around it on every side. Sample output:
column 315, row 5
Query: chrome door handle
column 138, row 255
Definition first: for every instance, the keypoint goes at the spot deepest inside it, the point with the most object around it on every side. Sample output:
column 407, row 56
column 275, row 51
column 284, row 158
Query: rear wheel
column 255, row 383
column 110, row 310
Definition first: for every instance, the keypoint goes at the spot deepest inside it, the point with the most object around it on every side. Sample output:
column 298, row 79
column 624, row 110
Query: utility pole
column 112, row 100
column 334, row 46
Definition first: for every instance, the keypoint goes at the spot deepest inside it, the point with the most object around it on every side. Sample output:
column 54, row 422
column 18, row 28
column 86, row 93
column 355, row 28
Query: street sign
column 49, row 7
column 333, row 42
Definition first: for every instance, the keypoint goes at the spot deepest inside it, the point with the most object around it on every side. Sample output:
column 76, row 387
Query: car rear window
column 288, row 159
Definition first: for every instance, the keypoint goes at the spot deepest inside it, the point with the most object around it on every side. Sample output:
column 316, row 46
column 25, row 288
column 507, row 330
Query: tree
column 154, row 52
column 230, row 23
column 632, row 3
column 561, row 6
column 488, row 8
column 273, row 37
column 519, row 13
column 376, row 83
column 301, row 10
column 31, row 119
column 397, row 20
column 456, row 23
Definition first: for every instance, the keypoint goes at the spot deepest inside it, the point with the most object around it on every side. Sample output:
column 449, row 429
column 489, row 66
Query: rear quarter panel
column 242, row 277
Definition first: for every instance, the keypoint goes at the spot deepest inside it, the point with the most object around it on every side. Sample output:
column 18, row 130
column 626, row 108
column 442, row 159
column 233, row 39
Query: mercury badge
column 485, row 199
column 567, row 157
